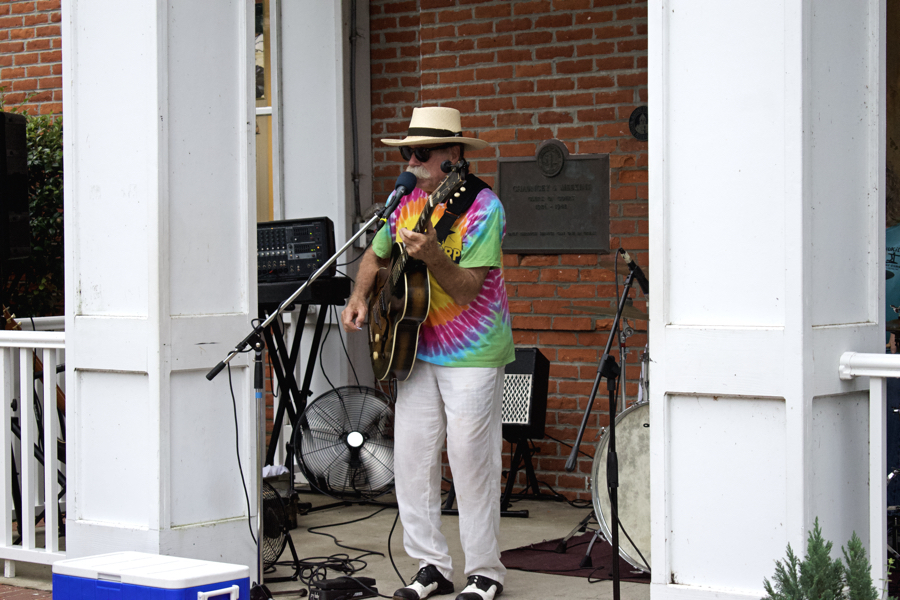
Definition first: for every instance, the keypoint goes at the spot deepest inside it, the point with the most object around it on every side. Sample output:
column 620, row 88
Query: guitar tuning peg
column 462, row 189
column 450, row 201
column 456, row 195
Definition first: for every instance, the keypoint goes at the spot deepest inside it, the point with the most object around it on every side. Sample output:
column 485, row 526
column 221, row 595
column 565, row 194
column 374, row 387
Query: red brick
column 597, row 114
column 564, row 275
column 614, row 97
column 439, row 93
column 4, row 9
column 493, row 12
column 572, row 323
column 534, row 38
column 624, row 14
column 616, row 31
column 401, row 67
column 478, row 89
column 596, row 275
column 554, row 117
column 38, row 19
column 516, row 86
column 587, row 82
column 579, row 5
column 559, row 338
column 553, row 52
column 403, row 37
column 516, row 275
column 571, row 355
column 540, row 260
column 465, row 107
column 19, row 8
column 457, row 45
column 14, row 73
column 399, row 7
column 617, row 161
column 631, row 80
column 613, row 63
column 477, row 121
column 622, row 227
column 574, row 35
column 510, row 260
column 50, row 82
column 509, row 56
column 11, row 47
column 537, row 290
column 383, row 53
column 534, row 70
column 429, row 4
column 515, row 118
column 548, row 85
column 631, row 45
column 432, row 33
column 474, row 58
column 47, row 31
column 632, row 145
column 594, row 17
column 520, row 322
column 495, row 73
column 554, row 20
column 596, row 49
column 495, row 104
column 21, row 34
column 539, row 134
column 524, row 338
column 574, row 66
column 632, row 176
column 382, row 24
column 429, row 78
column 596, row 146
column 534, row 102
column 531, row 8
column 574, row 100
column 457, row 76
column 476, row 29
column 513, row 25
column 430, row 63
column 10, row 22
column 638, row 209
column 399, row 97
column 519, row 306
column 452, row 16
column 28, row 59
column 569, row 133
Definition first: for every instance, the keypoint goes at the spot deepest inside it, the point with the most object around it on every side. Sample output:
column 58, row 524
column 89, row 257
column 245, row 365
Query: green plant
column 818, row 577
column 35, row 286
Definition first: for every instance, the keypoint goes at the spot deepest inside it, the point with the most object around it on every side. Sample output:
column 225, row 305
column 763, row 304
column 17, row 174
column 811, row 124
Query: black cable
column 342, row 274
column 237, row 446
column 569, row 445
column 391, row 554
column 337, row 543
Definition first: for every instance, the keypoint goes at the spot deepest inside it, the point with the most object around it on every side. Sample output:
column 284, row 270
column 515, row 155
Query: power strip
column 343, row 588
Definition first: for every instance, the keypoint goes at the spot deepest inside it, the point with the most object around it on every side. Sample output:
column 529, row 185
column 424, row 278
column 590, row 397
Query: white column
column 767, row 241
column 160, row 276
column 318, row 123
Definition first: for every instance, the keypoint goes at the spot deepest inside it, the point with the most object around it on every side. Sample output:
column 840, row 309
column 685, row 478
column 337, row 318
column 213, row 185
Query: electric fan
column 345, row 443
column 275, row 528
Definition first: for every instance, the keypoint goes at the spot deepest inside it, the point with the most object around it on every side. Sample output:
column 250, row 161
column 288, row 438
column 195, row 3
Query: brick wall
column 524, row 71
column 31, row 55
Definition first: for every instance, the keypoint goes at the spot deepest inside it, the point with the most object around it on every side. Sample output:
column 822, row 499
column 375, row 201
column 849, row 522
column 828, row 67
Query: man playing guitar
column 455, row 386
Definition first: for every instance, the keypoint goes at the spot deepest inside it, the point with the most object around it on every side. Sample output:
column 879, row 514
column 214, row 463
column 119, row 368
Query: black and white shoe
column 479, row 587
column 427, row 581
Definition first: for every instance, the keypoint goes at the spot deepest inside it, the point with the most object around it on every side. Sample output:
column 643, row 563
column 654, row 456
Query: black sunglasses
column 423, row 155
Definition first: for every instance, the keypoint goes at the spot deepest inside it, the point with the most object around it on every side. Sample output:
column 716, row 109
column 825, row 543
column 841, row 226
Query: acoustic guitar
column 399, row 305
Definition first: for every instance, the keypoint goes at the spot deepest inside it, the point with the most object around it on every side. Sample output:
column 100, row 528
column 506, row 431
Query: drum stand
column 610, row 369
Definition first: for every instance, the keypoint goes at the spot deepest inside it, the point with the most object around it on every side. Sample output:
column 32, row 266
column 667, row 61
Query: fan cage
column 345, row 443
column 274, row 524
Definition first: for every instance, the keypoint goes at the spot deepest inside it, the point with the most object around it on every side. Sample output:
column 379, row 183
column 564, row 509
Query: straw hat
column 431, row 125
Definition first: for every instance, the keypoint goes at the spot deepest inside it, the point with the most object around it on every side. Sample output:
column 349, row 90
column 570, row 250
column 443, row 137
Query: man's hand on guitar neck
column 461, row 283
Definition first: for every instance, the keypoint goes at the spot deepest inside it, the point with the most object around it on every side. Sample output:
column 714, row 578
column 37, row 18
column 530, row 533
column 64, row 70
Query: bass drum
column 633, row 452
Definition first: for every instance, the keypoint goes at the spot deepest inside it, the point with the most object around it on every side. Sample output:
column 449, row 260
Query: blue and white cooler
column 141, row 576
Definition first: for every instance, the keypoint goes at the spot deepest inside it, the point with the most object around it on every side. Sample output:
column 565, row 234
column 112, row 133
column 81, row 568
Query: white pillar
column 317, row 135
column 767, row 242
column 160, row 275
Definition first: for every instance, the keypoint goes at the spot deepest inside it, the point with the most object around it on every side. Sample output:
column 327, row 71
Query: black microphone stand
column 609, row 369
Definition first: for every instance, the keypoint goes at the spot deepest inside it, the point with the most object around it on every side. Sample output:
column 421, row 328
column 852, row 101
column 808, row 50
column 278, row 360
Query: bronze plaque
column 555, row 203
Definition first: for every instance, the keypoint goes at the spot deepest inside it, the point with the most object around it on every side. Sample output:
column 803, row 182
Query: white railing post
column 877, row 367
column 51, row 429
column 26, row 452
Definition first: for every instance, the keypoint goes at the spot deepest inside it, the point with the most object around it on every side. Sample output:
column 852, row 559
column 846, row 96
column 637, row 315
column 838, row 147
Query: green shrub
column 818, row 577
column 36, row 285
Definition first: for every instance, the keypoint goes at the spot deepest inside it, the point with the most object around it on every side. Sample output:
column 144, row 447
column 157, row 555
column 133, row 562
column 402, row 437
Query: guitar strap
column 473, row 186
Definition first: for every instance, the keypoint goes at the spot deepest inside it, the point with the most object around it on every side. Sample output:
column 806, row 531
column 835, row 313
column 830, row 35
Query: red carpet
column 541, row 558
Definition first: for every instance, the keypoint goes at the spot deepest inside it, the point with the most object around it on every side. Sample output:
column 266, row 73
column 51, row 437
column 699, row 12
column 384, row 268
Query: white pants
column 465, row 404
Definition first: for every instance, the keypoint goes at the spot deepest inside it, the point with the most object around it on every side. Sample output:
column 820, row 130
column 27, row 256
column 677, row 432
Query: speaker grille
column 517, row 398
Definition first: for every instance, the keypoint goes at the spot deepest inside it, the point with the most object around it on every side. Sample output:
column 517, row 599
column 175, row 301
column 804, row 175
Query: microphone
column 638, row 274
column 405, row 184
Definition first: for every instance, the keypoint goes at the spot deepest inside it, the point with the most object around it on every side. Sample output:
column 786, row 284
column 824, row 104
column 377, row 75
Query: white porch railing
column 29, row 404
column 877, row 367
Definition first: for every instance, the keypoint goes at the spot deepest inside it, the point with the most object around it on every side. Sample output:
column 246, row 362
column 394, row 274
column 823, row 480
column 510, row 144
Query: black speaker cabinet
column 15, row 226
column 525, row 395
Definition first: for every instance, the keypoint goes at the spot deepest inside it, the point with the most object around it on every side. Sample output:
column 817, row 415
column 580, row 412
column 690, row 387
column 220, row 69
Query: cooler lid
column 150, row 570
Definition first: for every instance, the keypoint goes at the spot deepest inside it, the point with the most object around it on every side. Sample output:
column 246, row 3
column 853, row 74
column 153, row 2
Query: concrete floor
column 548, row 520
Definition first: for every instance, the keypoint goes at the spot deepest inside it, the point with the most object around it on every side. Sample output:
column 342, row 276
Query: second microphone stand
column 609, row 369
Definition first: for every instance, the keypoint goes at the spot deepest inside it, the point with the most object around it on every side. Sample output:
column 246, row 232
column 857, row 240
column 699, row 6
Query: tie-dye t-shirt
column 478, row 334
